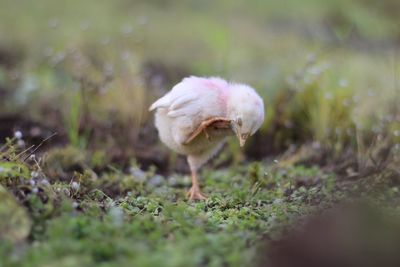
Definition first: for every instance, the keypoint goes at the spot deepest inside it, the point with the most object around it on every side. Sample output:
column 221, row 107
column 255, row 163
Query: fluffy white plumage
column 206, row 105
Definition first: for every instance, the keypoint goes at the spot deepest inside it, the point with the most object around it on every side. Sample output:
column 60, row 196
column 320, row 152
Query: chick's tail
column 163, row 102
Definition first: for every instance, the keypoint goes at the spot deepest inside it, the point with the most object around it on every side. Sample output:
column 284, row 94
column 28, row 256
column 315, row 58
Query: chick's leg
column 194, row 192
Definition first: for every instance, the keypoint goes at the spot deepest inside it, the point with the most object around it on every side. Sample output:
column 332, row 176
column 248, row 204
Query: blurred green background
column 329, row 73
column 328, row 70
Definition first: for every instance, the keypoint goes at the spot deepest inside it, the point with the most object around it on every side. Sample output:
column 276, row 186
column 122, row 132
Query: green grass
column 118, row 219
column 329, row 75
column 139, row 218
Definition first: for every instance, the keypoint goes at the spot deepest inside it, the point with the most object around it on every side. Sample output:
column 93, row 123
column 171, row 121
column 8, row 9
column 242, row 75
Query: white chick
column 197, row 115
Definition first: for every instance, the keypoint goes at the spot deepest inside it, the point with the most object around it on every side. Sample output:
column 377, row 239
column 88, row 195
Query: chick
column 198, row 114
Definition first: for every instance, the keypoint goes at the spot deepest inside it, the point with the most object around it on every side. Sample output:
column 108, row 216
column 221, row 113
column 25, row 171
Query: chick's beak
column 242, row 138
column 242, row 141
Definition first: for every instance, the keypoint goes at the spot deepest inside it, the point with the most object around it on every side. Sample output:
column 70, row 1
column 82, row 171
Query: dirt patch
column 33, row 132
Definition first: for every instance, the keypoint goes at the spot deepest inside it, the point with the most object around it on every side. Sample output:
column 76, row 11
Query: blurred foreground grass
column 93, row 193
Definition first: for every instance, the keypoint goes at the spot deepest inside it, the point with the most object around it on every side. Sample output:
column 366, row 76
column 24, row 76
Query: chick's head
column 245, row 109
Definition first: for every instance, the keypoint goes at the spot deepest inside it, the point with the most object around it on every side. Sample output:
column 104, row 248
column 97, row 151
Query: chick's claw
column 219, row 122
column 194, row 193
column 206, row 134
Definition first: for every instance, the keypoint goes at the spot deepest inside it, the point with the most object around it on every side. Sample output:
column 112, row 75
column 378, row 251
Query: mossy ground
column 138, row 218
column 85, row 180
column 149, row 222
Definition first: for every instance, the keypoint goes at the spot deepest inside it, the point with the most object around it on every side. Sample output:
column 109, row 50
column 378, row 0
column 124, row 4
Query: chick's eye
column 239, row 121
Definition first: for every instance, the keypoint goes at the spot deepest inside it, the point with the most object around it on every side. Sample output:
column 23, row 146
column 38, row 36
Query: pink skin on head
column 210, row 83
column 214, row 83
column 222, row 86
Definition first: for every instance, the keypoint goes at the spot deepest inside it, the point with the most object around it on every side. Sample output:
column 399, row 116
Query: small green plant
column 73, row 121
